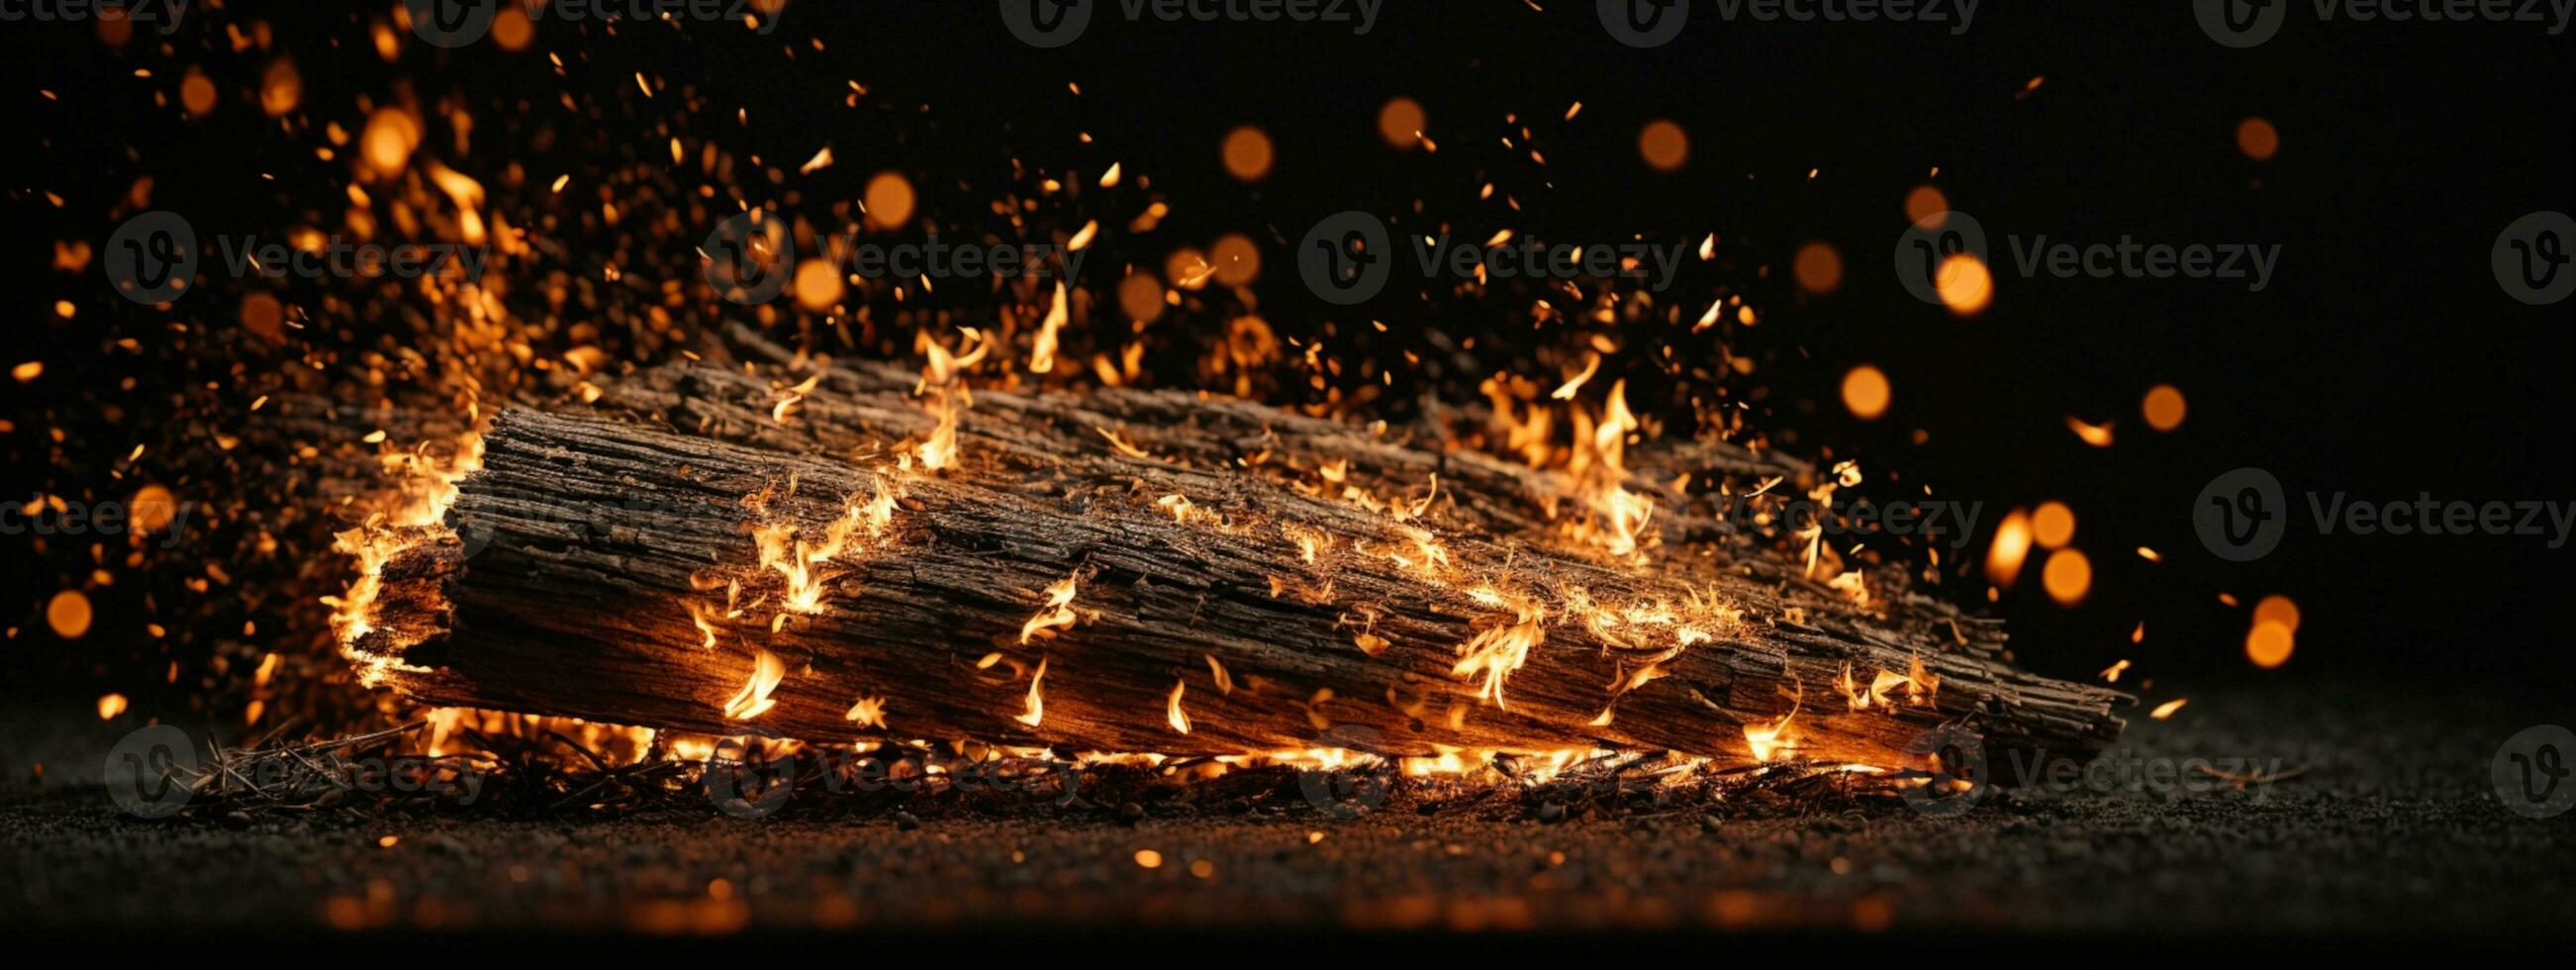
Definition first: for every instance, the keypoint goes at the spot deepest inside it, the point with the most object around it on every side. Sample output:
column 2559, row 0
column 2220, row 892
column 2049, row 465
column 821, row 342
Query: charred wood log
column 1139, row 571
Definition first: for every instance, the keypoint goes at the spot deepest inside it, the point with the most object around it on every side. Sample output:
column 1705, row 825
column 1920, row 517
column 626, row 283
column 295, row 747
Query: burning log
column 1135, row 571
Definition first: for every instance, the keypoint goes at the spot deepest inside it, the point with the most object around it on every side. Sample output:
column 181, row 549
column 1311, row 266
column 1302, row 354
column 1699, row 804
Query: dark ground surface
column 2393, row 836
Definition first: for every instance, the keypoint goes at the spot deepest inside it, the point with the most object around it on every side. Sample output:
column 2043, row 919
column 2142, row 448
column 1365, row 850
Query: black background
column 2383, row 360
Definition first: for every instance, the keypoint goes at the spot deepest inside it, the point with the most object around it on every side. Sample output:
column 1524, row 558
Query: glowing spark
column 2097, row 435
column 2167, row 709
column 1122, row 445
column 1567, row 390
column 792, row 399
column 2011, row 546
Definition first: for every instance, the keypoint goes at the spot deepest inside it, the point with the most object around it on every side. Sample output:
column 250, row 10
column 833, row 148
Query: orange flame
column 1057, row 614
column 753, row 699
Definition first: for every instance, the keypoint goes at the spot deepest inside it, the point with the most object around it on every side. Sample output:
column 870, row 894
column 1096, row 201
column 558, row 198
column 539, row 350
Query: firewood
column 1141, row 571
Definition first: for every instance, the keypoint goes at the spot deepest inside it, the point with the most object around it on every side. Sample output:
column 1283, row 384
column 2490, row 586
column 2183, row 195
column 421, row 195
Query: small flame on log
column 753, row 699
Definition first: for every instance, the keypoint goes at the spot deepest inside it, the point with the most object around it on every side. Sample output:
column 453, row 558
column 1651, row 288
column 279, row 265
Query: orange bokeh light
column 1248, row 154
column 1866, row 392
column 1965, row 285
column 2269, row 645
column 1663, row 145
column 2258, row 139
column 2068, row 576
column 2053, row 525
column 1401, row 123
column 889, row 200
column 1819, row 268
column 2164, row 407
column 1237, row 260
column 68, row 613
